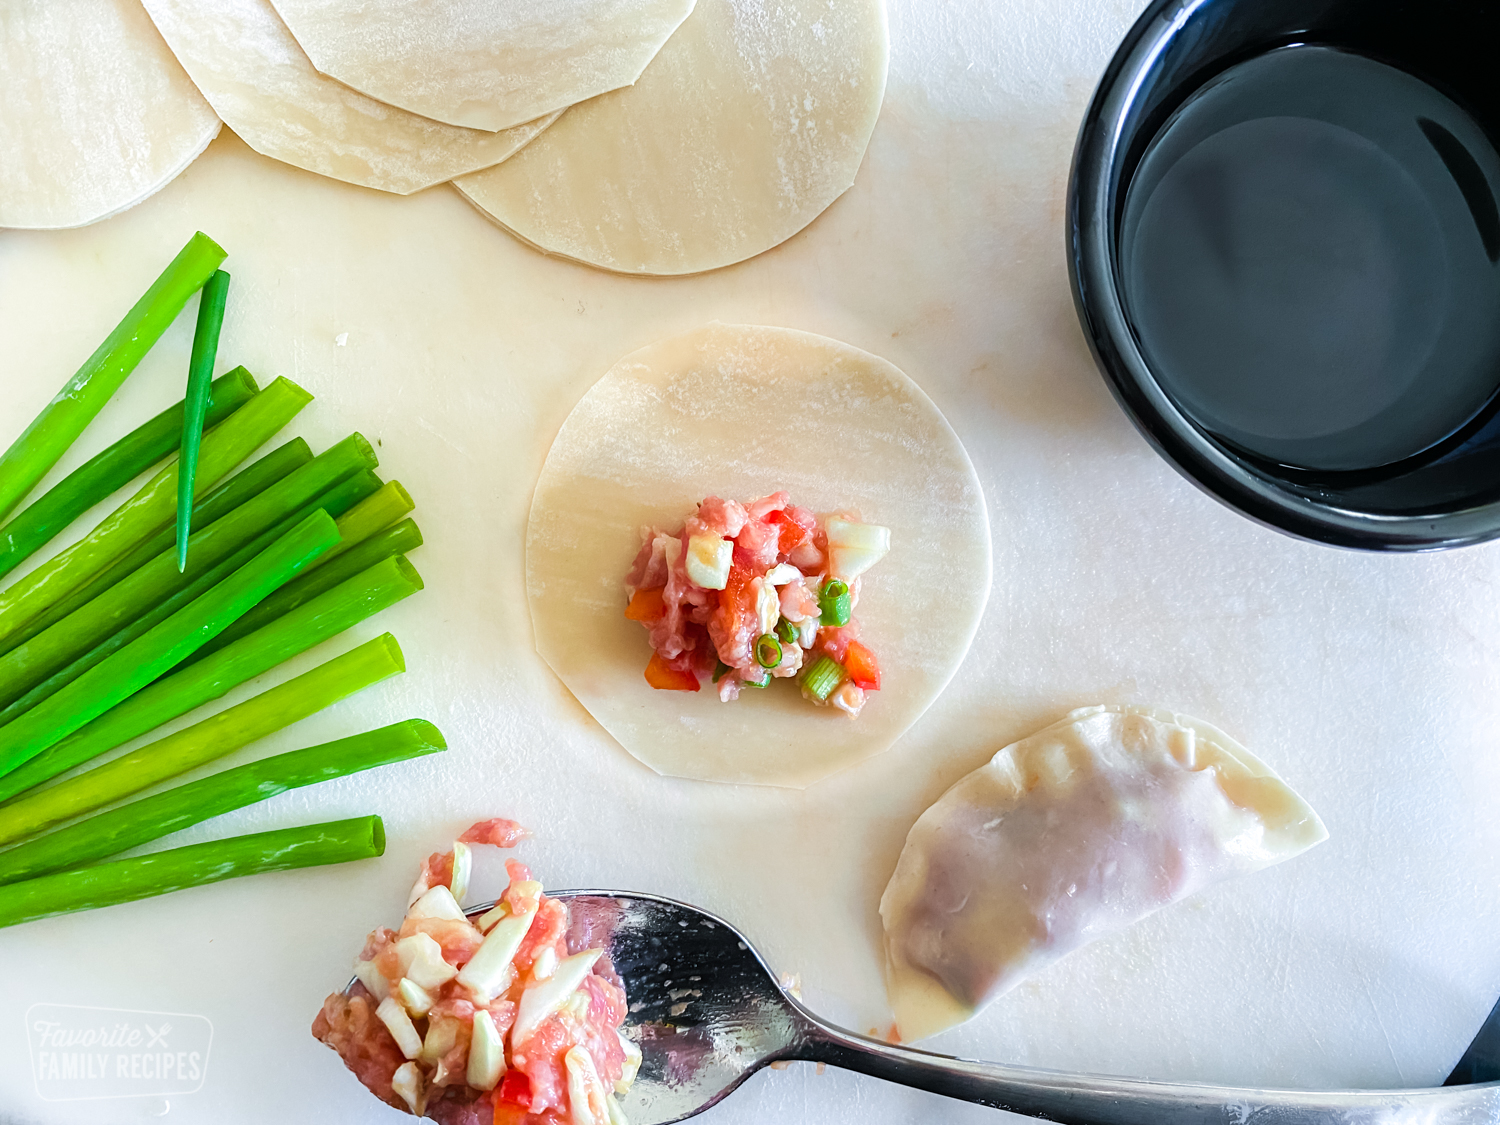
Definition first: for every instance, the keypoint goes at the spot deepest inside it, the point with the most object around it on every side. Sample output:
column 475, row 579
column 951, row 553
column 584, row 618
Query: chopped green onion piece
column 834, row 603
column 786, row 632
column 200, row 373
column 819, row 681
column 764, row 681
column 767, row 651
column 719, row 669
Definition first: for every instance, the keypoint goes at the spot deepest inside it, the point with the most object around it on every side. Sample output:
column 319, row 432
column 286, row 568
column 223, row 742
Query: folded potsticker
column 1068, row 835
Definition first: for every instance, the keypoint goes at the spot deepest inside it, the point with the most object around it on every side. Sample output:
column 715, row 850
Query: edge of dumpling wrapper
column 986, row 891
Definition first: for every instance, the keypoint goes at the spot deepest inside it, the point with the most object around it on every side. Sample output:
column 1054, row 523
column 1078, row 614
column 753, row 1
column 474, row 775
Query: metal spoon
column 707, row 1013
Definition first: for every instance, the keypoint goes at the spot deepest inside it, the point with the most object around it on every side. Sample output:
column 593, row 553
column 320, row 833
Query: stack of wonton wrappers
column 639, row 136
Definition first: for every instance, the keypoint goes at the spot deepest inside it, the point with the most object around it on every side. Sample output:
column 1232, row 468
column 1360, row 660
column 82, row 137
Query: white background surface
column 1369, row 682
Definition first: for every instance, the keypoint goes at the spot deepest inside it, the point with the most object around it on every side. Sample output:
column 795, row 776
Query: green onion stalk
column 250, row 481
column 360, row 547
column 336, row 501
column 144, row 659
column 125, row 880
column 104, row 474
column 205, row 741
column 158, row 580
column 63, row 419
column 374, row 514
column 244, row 431
column 327, row 615
column 200, row 373
column 150, row 818
column 393, row 541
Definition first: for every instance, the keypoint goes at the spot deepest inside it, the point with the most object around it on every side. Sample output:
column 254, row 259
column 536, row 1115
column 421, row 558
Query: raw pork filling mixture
column 491, row 1020
column 747, row 593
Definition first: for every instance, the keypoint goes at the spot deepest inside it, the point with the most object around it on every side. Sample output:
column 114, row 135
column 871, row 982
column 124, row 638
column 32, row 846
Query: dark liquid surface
column 1309, row 258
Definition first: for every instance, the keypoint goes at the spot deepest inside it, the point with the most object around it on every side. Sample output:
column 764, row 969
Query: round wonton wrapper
column 739, row 412
column 1068, row 835
column 251, row 70
column 745, row 127
column 95, row 113
column 483, row 65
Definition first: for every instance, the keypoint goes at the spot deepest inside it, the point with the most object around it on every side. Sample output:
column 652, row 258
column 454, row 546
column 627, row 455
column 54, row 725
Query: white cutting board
column 1371, row 683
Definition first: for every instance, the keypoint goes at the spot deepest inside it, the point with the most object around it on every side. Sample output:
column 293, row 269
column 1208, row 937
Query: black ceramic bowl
column 1447, row 494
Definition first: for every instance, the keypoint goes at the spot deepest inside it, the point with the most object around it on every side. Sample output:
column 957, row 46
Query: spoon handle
column 1084, row 1099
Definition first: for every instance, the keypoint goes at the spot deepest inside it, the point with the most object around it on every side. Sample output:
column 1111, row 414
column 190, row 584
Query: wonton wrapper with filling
column 739, row 412
column 1064, row 837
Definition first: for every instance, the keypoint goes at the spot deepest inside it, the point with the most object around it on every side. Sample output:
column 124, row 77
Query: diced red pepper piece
column 736, row 600
column 508, row 1114
column 661, row 675
column 646, row 605
column 862, row 667
column 790, row 534
column 515, row 1088
column 737, row 581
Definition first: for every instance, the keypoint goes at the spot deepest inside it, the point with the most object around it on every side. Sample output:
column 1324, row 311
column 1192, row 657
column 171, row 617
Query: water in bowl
column 1309, row 252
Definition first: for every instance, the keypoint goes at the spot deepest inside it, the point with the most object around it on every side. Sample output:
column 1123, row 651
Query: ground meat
column 723, row 518
column 498, row 831
column 533, row 1091
column 758, row 545
column 349, row 1025
column 457, row 1105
